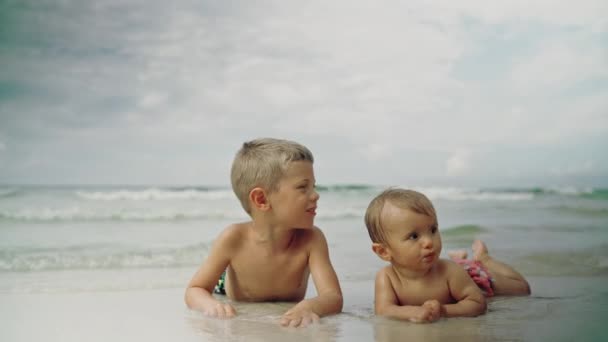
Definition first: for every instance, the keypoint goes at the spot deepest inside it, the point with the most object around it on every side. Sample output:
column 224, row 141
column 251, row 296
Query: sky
column 450, row 93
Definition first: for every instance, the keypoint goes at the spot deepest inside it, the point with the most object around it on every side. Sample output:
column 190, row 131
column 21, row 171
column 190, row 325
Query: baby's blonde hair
column 401, row 198
column 262, row 163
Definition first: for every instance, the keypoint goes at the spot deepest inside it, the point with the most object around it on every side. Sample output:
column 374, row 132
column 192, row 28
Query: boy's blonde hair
column 401, row 198
column 262, row 163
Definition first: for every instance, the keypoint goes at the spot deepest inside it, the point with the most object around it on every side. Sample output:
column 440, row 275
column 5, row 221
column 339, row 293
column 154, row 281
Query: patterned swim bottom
column 479, row 274
column 219, row 287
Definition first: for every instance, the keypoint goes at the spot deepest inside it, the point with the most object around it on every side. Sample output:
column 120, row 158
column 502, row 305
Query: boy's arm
column 470, row 299
column 387, row 304
column 329, row 295
column 199, row 292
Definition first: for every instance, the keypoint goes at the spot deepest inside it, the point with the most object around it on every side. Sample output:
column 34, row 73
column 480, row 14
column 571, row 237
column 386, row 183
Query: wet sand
column 560, row 309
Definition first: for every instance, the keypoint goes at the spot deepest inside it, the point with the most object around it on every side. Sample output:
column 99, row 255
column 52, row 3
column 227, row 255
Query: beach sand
column 560, row 309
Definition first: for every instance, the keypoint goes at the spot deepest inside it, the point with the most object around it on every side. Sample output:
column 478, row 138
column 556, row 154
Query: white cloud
column 558, row 65
column 153, row 100
column 377, row 79
column 459, row 163
column 376, row 152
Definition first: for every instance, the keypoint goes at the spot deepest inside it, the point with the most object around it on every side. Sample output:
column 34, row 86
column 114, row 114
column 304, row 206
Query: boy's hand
column 220, row 310
column 298, row 317
column 428, row 312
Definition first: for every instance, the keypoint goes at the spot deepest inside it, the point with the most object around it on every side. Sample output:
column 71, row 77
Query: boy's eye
column 413, row 236
column 434, row 229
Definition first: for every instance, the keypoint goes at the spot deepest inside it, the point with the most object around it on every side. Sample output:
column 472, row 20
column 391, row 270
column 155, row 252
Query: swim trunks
column 479, row 274
column 219, row 288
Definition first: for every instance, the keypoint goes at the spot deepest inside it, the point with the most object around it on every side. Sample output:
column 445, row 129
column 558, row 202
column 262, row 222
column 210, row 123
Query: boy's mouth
column 312, row 210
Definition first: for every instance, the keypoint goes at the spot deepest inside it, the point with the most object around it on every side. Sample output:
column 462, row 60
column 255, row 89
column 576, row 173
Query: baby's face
column 414, row 241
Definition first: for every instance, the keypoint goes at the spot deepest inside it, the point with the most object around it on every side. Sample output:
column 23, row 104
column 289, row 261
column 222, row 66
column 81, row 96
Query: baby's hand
column 435, row 308
column 426, row 313
column 299, row 318
column 220, row 310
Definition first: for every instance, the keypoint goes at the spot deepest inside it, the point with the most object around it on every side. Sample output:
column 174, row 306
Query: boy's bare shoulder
column 313, row 236
column 233, row 234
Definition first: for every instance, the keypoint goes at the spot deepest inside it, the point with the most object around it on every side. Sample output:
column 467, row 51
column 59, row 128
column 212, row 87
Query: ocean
column 100, row 240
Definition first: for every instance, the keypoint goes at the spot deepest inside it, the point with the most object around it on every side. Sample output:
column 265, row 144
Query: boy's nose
column 315, row 195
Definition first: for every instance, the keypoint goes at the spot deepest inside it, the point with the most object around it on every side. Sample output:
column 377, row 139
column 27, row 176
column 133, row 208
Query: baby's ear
column 381, row 251
column 258, row 199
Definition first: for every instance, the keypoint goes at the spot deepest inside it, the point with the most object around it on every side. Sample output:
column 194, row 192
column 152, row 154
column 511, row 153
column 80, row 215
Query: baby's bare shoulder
column 450, row 268
column 385, row 276
column 385, row 272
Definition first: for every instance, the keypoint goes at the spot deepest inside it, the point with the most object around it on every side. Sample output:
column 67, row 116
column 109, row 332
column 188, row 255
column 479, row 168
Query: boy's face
column 294, row 204
column 413, row 240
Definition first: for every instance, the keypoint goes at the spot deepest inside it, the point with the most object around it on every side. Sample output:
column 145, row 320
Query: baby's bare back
column 255, row 274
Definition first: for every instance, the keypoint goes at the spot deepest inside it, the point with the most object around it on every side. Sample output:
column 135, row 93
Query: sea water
column 103, row 239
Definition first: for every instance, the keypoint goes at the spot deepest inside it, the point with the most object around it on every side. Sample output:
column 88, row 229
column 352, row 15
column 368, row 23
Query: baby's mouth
column 429, row 257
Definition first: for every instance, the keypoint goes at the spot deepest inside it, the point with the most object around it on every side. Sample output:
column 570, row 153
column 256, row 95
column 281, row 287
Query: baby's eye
column 434, row 230
column 413, row 236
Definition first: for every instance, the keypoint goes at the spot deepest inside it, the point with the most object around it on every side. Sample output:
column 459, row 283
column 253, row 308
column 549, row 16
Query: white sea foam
column 75, row 213
column 155, row 194
column 463, row 194
column 82, row 257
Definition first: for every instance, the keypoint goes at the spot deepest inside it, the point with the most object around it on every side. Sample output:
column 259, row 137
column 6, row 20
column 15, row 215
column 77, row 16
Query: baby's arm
column 329, row 295
column 199, row 292
column 387, row 304
column 470, row 299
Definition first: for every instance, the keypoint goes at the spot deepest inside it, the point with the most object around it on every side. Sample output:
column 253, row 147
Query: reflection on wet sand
column 260, row 322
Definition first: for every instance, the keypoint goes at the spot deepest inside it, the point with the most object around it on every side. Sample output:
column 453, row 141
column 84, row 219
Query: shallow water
column 112, row 264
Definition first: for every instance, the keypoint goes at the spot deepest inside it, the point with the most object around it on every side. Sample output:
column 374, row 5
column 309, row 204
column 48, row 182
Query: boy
column 418, row 286
column 270, row 257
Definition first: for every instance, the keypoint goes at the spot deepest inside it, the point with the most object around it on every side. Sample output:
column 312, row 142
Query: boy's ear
column 381, row 251
column 258, row 199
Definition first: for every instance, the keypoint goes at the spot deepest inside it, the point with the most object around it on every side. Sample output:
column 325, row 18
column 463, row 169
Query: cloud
column 141, row 84
column 459, row 163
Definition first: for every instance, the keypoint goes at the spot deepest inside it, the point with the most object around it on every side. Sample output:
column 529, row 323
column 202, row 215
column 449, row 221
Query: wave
column 90, row 215
column 589, row 262
column 9, row 192
column 77, row 214
column 99, row 257
column 156, row 194
column 462, row 194
column 160, row 193
column 583, row 211
column 346, row 188
column 464, row 231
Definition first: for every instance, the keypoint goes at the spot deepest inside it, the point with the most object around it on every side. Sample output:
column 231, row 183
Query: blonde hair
column 262, row 163
column 401, row 198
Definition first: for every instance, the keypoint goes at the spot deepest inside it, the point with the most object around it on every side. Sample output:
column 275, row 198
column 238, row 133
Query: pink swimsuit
column 479, row 274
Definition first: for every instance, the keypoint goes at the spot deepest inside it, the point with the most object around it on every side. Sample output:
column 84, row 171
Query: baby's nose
column 427, row 241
